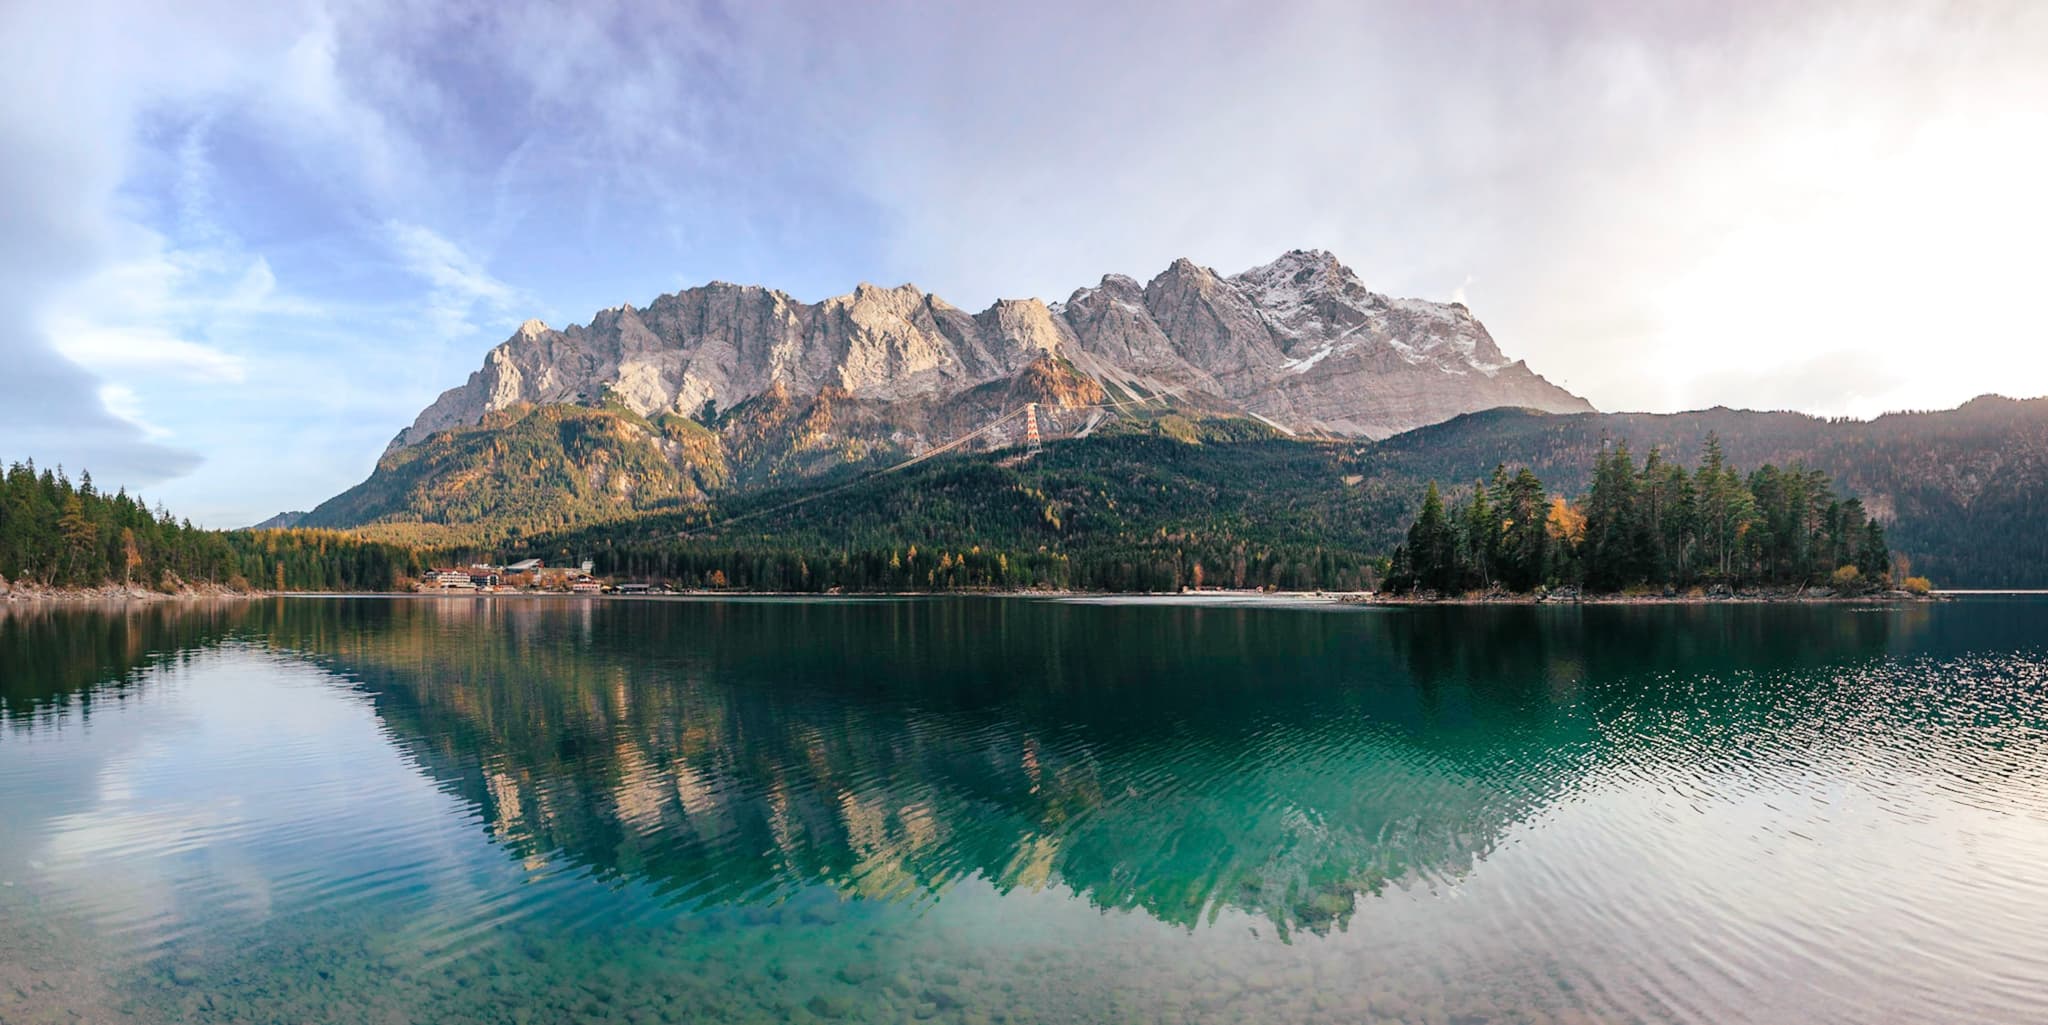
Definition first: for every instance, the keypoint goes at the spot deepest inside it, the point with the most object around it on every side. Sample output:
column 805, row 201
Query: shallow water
column 965, row 810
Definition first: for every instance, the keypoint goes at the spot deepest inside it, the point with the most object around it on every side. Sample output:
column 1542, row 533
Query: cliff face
column 1300, row 342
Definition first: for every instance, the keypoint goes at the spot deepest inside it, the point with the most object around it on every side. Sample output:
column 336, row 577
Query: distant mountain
column 1283, row 420
column 538, row 467
column 1303, row 344
column 777, row 391
column 1964, row 491
column 281, row 521
column 1300, row 342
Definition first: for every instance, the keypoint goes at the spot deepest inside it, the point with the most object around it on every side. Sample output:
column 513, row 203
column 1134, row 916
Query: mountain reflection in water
column 1173, row 760
column 682, row 810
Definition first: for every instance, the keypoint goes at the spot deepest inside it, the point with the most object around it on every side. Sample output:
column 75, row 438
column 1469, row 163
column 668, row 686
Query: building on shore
column 450, row 580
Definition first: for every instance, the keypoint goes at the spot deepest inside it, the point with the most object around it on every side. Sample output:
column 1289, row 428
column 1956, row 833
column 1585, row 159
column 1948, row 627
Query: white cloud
column 122, row 401
column 144, row 352
column 1829, row 205
column 462, row 287
column 1629, row 195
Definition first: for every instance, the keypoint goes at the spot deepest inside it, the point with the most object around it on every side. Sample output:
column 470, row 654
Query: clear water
column 1011, row 810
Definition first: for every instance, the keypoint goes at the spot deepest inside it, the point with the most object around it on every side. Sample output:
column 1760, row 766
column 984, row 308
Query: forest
column 56, row 532
column 1137, row 505
column 1179, row 503
column 1124, row 513
column 1962, row 492
column 1656, row 527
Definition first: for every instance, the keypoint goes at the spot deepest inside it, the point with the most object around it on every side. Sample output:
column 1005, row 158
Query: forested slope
column 1963, row 492
column 1963, row 495
column 57, row 533
column 1150, row 504
column 1137, row 511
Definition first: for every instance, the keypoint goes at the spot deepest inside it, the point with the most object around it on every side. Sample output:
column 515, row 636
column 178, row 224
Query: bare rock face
column 1300, row 342
column 1363, row 364
column 1214, row 325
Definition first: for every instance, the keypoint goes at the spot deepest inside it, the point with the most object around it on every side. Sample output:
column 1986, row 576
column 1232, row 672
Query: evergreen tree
column 54, row 533
column 1525, row 544
column 1724, row 507
column 1612, row 552
column 1481, row 539
column 1778, row 527
column 1873, row 556
column 1432, row 546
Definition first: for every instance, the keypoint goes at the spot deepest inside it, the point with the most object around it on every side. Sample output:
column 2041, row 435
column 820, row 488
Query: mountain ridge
column 1300, row 342
column 1960, row 493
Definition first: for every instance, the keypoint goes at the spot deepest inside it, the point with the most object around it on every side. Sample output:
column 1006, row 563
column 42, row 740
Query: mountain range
column 731, row 386
column 1284, row 421
column 1299, row 342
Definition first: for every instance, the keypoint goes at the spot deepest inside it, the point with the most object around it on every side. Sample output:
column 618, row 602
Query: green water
column 1014, row 810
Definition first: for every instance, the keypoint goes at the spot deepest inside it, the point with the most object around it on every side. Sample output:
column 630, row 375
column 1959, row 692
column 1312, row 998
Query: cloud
column 145, row 351
column 1828, row 205
column 54, row 413
column 121, row 401
column 461, row 285
column 1807, row 180
column 82, row 94
column 1838, row 380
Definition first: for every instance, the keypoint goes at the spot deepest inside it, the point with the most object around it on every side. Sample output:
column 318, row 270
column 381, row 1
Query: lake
column 1022, row 810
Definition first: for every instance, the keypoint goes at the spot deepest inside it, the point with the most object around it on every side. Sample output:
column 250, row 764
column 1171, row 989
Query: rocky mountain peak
column 1298, row 273
column 1299, row 341
column 1026, row 327
column 1184, row 273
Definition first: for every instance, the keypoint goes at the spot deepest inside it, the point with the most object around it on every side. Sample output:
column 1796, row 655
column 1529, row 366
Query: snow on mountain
column 1299, row 341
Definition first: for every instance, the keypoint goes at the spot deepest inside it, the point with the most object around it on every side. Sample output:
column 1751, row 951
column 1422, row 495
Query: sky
column 242, row 245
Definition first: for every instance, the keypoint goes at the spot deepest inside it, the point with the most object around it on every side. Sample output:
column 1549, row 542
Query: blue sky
column 246, row 243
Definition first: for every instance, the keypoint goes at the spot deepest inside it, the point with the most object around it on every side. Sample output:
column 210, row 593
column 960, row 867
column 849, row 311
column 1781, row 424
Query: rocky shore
column 14, row 591
column 1695, row 596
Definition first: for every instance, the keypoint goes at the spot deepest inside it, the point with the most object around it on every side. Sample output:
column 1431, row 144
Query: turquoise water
column 1016, row 810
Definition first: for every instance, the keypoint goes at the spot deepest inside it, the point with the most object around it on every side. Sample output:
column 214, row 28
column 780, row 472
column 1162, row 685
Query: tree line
column 56, row 532
column 1166, row 566
column 1649, row 527
column 1963, row 491
column 1110, row 514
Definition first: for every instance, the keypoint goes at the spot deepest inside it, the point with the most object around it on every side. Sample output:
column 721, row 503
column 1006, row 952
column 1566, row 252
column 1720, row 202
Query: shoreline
column 1881, row 598
column 18, row 595
column 22, row 594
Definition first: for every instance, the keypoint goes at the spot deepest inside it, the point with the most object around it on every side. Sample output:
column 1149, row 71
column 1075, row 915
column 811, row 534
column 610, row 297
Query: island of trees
column 1649, row 528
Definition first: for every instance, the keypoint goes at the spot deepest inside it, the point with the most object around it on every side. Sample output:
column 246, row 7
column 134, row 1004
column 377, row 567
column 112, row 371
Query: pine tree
column 1525, row 546
column 1482, row 538
column 1613, row 549
column 1724, row 507
column 1873, row 556
column 1432, row 546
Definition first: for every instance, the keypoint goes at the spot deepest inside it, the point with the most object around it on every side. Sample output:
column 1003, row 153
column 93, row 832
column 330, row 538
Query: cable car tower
column 1031, row 426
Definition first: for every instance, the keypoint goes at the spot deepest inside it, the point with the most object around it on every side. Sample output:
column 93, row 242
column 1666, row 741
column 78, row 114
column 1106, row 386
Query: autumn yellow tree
column 131, row 555
column 1567, row 522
